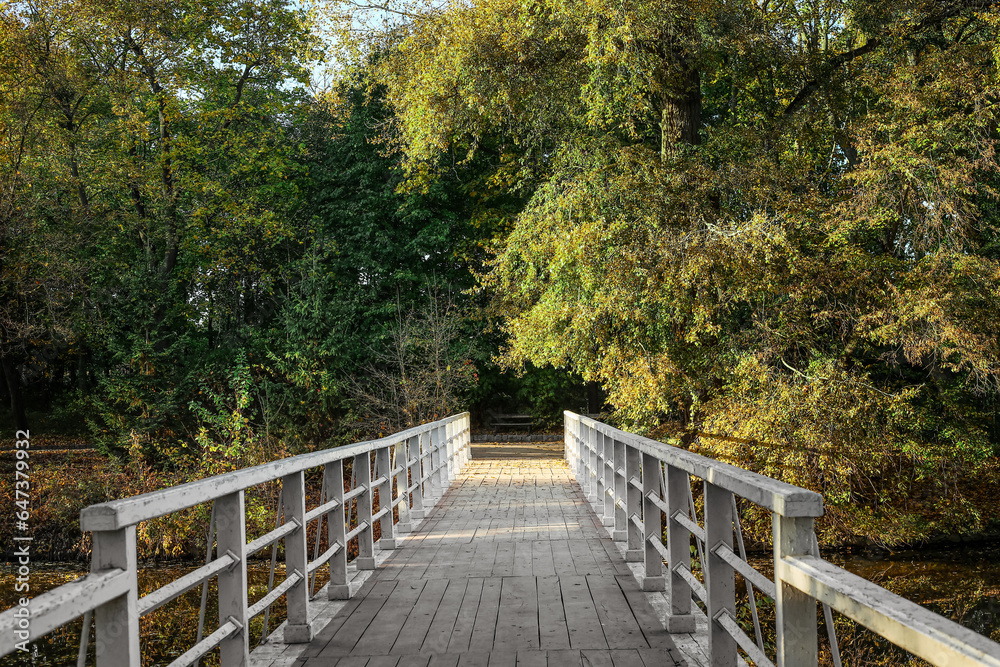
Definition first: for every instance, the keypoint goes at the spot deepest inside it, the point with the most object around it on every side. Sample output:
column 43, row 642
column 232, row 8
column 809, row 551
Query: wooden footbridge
column 590, row 554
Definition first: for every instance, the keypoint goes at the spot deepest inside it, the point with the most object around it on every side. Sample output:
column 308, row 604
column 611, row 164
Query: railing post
column 607, row 446
column 633, row 506
column 466, row 424
column 366, row 538
column 231, row 537
column 400, row 461
column 383, row 468
column 117, row 622
column 436, row 479
column 449, row 433
column 796, row 611
column 415, row 450
column 299, row 627
column 619, row 506
column 719, row 578
column 653, row 564
column 679, row 549
column 336, row 531
column 596, row 467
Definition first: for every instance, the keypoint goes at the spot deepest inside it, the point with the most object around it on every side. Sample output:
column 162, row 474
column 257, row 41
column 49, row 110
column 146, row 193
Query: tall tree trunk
column 681, row 115
column 13, row 380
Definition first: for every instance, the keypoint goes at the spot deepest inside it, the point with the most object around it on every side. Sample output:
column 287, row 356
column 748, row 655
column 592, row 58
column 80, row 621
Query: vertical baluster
column 468, row 438
column 607, row 446
column 366, row 538
column 336, row 531
column 414, row 450
column 117, row 622
column 231, row 534
column 653, row 564
column 435, row 462
column 299, row 629
column 796, row 611
column 584, row 449
column 596, row 467
column 399, row 461
column 633, row 506
column 679, row 549
column 449, row 431
column 720, row 580
column 620, row 508
column 383, row 468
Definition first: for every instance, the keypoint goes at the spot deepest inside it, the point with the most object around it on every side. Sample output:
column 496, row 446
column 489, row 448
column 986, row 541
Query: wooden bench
column 499, row 420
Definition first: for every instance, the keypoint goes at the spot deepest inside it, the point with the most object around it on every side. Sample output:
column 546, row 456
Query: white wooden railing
column 637, row 481
column 422, row 461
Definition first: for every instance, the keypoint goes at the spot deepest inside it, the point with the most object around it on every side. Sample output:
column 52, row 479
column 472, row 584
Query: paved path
column 511, row 568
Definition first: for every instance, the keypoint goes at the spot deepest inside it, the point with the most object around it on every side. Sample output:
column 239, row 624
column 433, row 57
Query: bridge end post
column 796, row 622
column 117, row 621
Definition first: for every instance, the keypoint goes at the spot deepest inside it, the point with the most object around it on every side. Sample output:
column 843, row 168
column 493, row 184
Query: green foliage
column 773, row 222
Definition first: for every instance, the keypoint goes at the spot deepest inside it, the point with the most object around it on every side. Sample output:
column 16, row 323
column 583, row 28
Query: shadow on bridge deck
column 511, row 567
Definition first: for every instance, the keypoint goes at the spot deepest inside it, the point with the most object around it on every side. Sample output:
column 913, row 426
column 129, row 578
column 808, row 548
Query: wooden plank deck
column 511, row 568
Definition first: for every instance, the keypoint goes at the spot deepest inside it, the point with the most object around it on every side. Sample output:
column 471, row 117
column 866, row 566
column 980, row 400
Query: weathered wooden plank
column 503, row 565
column 596, row 658
column 620, row 627
column 531, row 659
column 414, row 631
column 517, row 621
column 444, row 660
column 461, row 636
column 570, row 658
column 582, row 621
column 552, row 628
column 486, row 617
column 661, row 657
column 386, row 625
column 413, row 660
column 474, row 659
column 652, row 629
column 357, row 622
column 383, row 661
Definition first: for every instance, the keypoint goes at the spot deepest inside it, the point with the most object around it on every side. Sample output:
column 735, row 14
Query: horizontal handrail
column 117, row 514
column 918, row 630
column 61, row 605
column 775, row 495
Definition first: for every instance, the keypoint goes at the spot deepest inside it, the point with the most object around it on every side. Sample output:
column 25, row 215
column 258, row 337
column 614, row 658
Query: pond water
column 962, row 583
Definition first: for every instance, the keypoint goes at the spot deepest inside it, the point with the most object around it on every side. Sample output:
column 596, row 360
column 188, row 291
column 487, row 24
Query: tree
column 772, row 221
